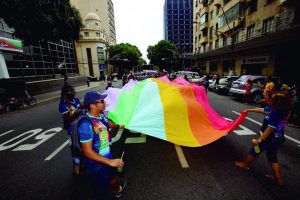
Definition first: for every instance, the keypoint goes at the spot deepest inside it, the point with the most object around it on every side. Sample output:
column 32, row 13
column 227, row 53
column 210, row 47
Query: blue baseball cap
column 92, row 97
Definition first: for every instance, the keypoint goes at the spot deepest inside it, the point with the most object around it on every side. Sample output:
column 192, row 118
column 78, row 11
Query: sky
column 139, row 22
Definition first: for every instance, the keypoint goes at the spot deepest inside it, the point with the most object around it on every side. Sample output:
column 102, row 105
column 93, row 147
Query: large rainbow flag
column 174, row 111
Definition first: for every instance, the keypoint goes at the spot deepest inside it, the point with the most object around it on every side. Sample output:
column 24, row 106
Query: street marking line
column 286, row 136
column 135, row 140
column 57, row 150
column 6, row 133
column 252, row 120
column 181, row 156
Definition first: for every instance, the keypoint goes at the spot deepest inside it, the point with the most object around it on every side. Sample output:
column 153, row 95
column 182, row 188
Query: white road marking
column 6, row 133
column 134, row 140
column 181, row 156
column 244, row 131
column 286, row 136
column 57, row 150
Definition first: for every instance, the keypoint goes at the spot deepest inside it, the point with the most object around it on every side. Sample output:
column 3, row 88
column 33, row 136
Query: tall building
column 178, row 28
column 104, row 9
column 257, row 37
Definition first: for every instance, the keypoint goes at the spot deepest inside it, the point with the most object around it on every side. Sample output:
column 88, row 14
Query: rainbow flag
column 177, row 111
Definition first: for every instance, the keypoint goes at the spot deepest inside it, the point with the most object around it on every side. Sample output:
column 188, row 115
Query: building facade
column 104, row 9
column 178, row 28
column 246, row 36
column 91, row 48
column 34, row 62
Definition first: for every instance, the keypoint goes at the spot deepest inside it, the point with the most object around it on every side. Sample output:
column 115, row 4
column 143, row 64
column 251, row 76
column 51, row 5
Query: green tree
column 119, row 52
column 141, row 61
column 37, row 20
column 164, row 54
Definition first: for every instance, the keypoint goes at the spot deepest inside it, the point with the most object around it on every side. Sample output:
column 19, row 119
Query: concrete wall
column 45, row 86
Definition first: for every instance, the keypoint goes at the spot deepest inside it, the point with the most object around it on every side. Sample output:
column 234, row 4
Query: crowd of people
column 92, row 125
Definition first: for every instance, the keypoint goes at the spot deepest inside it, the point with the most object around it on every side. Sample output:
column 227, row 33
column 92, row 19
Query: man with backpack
column 70, row 108
column 93, row 134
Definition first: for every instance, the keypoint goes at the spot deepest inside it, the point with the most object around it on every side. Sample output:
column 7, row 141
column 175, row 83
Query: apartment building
column 246, row 36
column 178, row 28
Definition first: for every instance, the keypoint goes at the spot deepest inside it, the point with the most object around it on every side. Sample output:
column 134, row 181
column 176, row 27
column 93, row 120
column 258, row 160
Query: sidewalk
column 56, row 94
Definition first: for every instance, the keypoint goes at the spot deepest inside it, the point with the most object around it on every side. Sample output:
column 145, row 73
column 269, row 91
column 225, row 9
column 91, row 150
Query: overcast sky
column 139, row 22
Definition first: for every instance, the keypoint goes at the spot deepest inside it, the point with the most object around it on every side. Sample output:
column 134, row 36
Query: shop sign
column 10, row 45
column 100, row 55
column 256, row 60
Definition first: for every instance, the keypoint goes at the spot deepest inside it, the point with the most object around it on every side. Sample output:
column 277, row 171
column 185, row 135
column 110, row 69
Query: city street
column 36, row 163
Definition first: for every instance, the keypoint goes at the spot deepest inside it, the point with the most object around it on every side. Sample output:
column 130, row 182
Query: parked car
column 225, row 84
column 238, row 87
column 193, row 77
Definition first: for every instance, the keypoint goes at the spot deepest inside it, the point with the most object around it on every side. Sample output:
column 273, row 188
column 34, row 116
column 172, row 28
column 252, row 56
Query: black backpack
column 76, row 150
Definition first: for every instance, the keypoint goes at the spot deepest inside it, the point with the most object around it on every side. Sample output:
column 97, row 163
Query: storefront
column 255, row 65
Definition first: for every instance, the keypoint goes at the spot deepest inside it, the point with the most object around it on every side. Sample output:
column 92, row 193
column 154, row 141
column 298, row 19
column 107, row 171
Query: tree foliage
column 35, row 20
column 163, row 54
column 124, row 51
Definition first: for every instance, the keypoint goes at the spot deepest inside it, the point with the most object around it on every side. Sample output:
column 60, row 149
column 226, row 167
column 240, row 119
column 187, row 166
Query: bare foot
column 272, row 178
column 242, row 165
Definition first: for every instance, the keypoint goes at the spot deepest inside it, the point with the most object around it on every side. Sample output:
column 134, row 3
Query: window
column 203, row 18
column 211, row 32
column 250, row 32
column 210, row 46
column 204, row 32
column 226, row 1
column 216, row 44
column 224, row 41
column 212, row 14
column 97, row 34
column 86, row 34
column 96, row 24
column 253, row 6
column 268, row 25
column 236, row 37
column 232, row 14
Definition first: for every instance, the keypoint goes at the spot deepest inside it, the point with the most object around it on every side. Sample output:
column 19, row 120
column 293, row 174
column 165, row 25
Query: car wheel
column 256, row 98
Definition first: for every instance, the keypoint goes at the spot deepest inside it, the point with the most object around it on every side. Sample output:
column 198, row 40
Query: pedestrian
column 268, row 90
column 109, row 84
column 94, row 137
column 70, row 107
column 206, row 82
column 88, row 81
column 271, row 135
column 295, row 114
column 248, row 87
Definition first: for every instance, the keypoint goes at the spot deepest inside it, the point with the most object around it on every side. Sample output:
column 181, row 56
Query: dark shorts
column 271, row 146
column 99, row 177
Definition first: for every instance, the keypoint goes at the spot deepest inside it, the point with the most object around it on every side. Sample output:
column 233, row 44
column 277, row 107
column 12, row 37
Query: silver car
column 238, row 87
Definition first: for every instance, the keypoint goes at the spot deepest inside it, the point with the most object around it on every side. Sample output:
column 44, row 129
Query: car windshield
column 243, row 78
column 222, row 80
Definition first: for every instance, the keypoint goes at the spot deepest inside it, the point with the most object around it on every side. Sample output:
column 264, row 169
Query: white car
column 212, row 84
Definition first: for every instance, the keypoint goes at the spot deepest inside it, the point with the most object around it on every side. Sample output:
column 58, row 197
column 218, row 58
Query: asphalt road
column 35, row 161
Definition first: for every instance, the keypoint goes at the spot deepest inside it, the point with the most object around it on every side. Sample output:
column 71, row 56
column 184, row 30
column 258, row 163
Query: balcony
column 236, row 23
column 203, row 26
column 203, row 40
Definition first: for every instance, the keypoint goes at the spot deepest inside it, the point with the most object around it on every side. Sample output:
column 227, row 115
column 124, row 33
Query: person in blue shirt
column 69, row 106
column 94, row 137
column 271, row 134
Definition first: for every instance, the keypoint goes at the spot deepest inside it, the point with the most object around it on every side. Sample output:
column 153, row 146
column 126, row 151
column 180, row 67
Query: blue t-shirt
column 97, row 133
column 275, row 119
column 68, row 107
